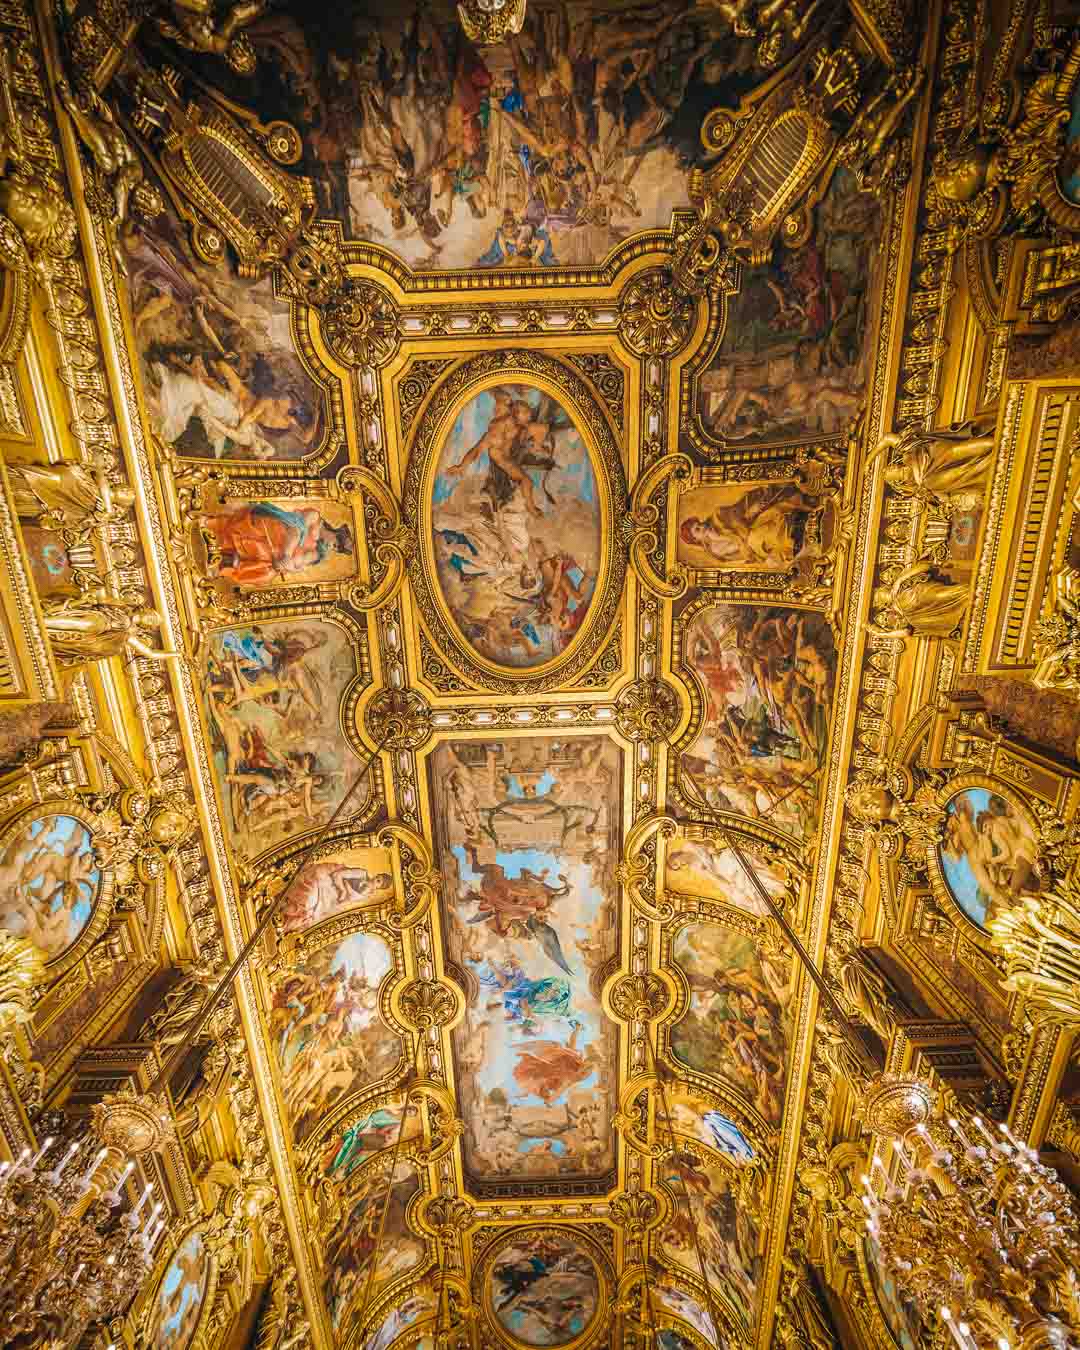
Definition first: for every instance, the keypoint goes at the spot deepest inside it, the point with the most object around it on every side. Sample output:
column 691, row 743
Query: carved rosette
column 656, row 319
column 639, row 998
column 133, row 1125
column 426, row 1004
column 647, row 710
column 895, row 1105
column 360, row 325
column 398, row 719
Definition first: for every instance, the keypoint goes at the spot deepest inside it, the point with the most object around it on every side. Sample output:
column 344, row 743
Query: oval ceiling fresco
column 516, row 525
column 51, row 882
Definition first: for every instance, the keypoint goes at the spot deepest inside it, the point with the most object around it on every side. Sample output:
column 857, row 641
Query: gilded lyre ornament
column 233, row 192
column 771, row 149
column 73, row 499
column 1039, row 938
column 489, row 22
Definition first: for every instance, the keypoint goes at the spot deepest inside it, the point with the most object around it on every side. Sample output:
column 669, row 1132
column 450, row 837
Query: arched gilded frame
column 169, row 1300
column 286, row 654
column 784, row 794
column 972, row 866
column 560, row 382
column 359, row 960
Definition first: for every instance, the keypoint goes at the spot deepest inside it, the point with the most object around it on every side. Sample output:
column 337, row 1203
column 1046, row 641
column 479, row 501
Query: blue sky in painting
column 56, row 832
column 571, row 917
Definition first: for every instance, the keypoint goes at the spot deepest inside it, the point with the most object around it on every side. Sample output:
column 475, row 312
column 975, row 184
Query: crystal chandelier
column 974, row 1228
column 68, row 1258
column 489, row 22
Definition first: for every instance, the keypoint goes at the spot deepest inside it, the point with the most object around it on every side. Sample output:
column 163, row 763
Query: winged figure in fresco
column 517, row 906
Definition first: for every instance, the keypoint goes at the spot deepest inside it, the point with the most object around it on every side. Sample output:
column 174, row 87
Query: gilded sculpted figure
column 939, row 464
column 867, row 993
column 927, row 601
column 72, row 498
column 35, row 206
column 95, row 627
column 195, row 24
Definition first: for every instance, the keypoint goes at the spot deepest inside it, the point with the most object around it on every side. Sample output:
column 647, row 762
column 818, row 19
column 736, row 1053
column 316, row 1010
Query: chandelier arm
column 686, row 1193
column 214, row 1001
column 389, row 1182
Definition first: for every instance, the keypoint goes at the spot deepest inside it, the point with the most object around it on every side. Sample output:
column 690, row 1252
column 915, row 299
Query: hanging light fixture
column 975, row 1229
column 68, row 1257
column 489, row 22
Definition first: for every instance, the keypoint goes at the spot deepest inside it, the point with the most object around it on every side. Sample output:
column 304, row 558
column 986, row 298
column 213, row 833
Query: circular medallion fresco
column 516, row 525
column 988, row 853
column 180, row 1297
column 50, row 882
column 544, row 1288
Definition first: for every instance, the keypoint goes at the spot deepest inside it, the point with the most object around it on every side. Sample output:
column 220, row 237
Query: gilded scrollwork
column 390, row 542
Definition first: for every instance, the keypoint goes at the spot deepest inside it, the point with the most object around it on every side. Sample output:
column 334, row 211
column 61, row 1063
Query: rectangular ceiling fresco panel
column 528, row 833
column 220, row 373
column 794, row 360
column 281, row 764
column 767, row 679
column 545, row 151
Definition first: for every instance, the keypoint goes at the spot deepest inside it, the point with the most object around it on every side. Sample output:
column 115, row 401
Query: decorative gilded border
column 558, row 378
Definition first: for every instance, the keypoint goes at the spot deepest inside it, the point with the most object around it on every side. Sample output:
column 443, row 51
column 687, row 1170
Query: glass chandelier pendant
column 68, row 1258
column 980, row 1233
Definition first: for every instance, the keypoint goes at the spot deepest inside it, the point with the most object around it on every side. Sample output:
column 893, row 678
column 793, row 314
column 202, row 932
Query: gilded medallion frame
column 103, row 903
column 592, row 421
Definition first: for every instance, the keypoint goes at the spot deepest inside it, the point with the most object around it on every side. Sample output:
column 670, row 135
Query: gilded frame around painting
column 560, row 380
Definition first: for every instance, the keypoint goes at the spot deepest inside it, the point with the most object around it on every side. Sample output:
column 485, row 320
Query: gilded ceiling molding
column 562, row 383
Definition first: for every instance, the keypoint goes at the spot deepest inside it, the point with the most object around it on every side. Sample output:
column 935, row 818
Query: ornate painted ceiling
column 508, row 557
